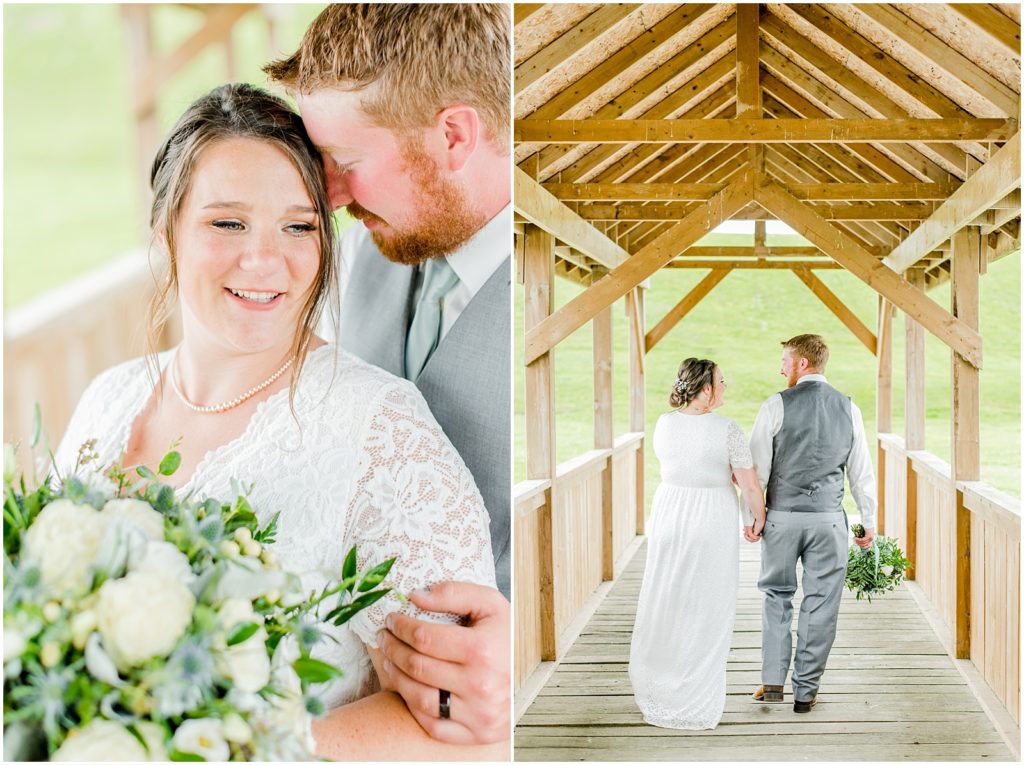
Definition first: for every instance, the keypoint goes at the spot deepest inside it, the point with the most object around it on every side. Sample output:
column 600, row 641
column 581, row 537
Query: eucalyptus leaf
column 375, row 575
column 145, row 472
column 313, row 670
column 242, row 632
column 176, row 756
column 170, row 463
column 348, row 569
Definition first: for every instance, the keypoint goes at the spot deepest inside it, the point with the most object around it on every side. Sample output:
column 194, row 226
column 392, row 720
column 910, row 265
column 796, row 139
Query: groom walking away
column 803, row 439
column 410, row 106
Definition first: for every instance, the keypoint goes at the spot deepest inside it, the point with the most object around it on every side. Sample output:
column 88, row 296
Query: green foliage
column 877, row 570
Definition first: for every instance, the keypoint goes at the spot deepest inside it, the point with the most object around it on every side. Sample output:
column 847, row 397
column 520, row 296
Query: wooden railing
column 56, row 344
column 561, row 533
column 920, row 501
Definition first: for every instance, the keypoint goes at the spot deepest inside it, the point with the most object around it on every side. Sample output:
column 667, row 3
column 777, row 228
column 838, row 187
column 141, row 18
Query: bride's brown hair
column 236, row 111
column 693, row 375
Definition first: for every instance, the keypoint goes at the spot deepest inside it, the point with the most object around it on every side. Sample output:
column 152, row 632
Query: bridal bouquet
column 878, row 569
column 140, row 626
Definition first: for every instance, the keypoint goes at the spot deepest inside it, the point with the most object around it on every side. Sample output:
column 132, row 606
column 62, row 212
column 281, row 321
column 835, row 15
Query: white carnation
column 136, row 512
column 64, row 540
column 234, row 611
column 100, row 740
column 15, row 642
column 204, row 737
column 163, row 558
column 142, row 616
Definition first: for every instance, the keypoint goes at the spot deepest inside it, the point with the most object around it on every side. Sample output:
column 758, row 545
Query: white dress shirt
column 859, row 470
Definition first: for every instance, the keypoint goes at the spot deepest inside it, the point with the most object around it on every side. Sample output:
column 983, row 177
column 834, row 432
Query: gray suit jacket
column 465, row 382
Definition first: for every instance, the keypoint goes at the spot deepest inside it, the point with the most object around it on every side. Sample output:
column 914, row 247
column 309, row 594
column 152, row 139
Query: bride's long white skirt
column 687, row 605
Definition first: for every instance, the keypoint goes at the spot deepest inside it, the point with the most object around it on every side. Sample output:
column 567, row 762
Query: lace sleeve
column 415, row 500
column 739, row 449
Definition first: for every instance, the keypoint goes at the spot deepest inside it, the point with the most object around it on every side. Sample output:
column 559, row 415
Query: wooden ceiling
column 867, row 127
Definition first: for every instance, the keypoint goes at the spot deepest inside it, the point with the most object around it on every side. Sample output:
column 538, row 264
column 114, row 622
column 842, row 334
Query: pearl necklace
column 218, row 408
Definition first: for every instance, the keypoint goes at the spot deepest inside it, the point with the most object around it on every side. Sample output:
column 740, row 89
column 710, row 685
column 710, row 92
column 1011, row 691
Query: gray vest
column 465, row 382
column 810, row 451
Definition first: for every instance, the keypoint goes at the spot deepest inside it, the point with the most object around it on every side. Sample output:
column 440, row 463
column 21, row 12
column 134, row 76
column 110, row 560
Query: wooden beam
column 542, row 209
column 844, row 250
column 840, row 309
column 756, row 263
column 688, row 302
column 748, row 87
column 763, row 131
column 640, row 266
column 1000, row 28
column 966, row 420
column 914, row 370
column 876, row 212
column 540, row 419
column 637, row 388
column 699, row 192
column 604, row 432
column 776, row 251
column 996, row 178
column 568, row 43
column 945, row 56
column 883, row 400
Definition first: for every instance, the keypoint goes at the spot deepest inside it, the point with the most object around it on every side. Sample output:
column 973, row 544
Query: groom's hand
column 864, row 542
column 749, row 535
column 472, row 662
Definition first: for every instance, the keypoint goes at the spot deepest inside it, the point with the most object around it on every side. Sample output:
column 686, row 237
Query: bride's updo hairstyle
column 693, row 375
column 236, row 111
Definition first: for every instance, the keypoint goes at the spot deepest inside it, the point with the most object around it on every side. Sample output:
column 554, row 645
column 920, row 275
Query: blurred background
column 89, row 92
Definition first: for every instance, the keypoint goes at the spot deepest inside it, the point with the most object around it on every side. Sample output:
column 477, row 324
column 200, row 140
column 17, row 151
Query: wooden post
column 883, row 396
column 966, row 460
column 604, row 432
column 539, row 274
column 913, row 415
column 637, row 398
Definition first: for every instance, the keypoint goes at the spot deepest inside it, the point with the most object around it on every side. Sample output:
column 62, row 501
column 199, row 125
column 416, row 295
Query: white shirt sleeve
column 860, row 472
column 767, row 424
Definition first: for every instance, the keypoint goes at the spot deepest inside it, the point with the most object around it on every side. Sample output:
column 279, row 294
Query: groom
column 409, row 105
column 803, row 440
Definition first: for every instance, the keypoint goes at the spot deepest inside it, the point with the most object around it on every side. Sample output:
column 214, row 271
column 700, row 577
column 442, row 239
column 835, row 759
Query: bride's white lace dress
column 369, row 467
column 687, row 602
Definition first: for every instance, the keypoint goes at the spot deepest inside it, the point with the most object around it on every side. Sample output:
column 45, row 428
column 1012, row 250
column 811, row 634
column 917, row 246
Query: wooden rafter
column 953, row 332
column 688, row 302
column 539, row 207
column 996, row 178
column 878, row 212
column 637, row 268
column 698, row 192
column 839, row 308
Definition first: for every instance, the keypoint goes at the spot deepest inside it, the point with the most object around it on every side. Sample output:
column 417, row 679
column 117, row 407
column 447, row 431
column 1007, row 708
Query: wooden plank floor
column 890, row 693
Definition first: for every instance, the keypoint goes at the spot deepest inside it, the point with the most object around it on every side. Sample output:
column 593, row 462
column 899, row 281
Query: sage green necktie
column 425, row 330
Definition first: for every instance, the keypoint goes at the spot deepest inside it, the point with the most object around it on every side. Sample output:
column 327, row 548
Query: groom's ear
column 461, row 127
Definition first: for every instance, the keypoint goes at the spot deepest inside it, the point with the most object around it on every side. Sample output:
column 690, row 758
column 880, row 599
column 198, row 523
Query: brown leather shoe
column 804, row 706
column 769, row 694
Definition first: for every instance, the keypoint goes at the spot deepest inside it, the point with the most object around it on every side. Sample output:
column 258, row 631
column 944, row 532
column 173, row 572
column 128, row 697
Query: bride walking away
column 688, row 598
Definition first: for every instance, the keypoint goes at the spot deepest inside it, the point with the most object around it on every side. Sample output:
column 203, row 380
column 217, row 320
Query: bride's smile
column 247, row 248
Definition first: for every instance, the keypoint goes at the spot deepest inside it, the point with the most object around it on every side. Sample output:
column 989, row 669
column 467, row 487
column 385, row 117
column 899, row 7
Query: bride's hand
column 759, row 527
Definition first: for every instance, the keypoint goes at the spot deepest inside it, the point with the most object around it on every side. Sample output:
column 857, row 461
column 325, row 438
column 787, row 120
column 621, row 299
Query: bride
column 687, row 602
column 348, row 453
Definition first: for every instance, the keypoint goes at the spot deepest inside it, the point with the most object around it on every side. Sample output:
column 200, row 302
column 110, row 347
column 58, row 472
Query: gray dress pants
column 819, row 541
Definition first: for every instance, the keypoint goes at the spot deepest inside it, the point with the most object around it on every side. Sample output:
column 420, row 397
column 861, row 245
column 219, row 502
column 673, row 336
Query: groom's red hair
column 810, row 347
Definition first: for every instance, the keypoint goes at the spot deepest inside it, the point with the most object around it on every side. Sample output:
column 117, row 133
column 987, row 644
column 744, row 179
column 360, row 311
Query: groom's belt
column 815, row 487
column 804, row 512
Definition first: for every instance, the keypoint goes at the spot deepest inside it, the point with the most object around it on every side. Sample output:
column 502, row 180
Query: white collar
column 812, row 378
column 481, row 254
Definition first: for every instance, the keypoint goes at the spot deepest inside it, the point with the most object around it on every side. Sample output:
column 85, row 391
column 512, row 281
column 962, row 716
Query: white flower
column 64, row 540
column 204, row 737
column 163, row 558
column 236, row 729
column 15, row 642
column 153, row 735
column 50, row 654
column 137, row 513
column 234, row 611
column 82, row 625
column 142, row 616
column 247, row 664
column 98, row 662
column 100, row 740
column 887, row 570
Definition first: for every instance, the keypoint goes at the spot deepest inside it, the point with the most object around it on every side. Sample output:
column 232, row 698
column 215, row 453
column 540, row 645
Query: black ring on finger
column 444, row 708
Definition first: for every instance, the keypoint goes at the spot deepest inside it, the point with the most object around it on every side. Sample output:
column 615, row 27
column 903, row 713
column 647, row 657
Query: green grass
column 739, row 325
column 70, row 168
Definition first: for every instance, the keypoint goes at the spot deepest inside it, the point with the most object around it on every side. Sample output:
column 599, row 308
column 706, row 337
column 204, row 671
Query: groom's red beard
column 446, row 217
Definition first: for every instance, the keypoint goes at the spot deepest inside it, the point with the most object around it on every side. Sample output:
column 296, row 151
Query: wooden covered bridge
column 887, row 137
